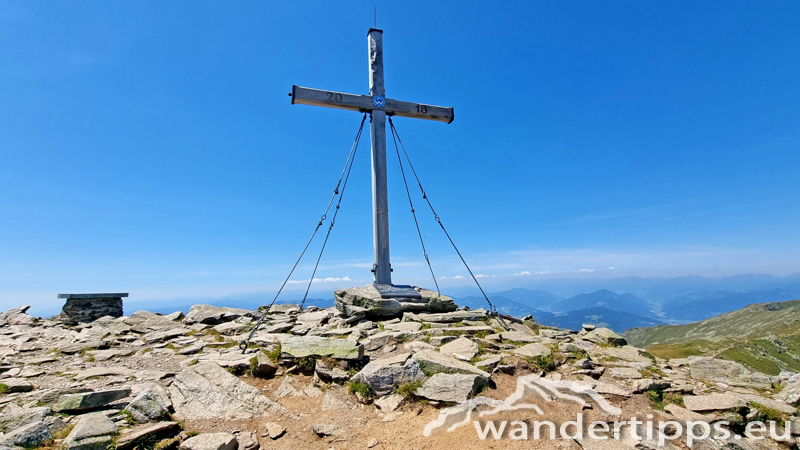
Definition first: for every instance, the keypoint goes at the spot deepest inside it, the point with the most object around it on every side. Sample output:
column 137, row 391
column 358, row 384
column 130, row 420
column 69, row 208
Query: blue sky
column 151, row 147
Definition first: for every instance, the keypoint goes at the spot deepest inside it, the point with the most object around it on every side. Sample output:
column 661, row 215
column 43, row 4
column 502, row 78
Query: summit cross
column 378, row 106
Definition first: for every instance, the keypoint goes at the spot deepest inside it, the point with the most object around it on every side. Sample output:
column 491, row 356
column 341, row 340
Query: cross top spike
column 378, row 106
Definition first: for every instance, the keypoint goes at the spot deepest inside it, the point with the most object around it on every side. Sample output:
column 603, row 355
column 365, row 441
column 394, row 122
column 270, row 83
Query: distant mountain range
column 620, row 303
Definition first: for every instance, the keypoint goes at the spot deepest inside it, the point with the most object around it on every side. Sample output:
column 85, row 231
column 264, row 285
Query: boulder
column 626, row 373
column 31, row 435
column 728, row 372
column 384, row 379
column 147, row 407
column 604, row 336
column 446, row 387
column 325, row 429
column 431, row 362
column 89, row 400
column 248, row 441
column 14, row 416
column 93, row 432
column 534, row 350
column 211, row 441
column 302, row 346
column 367, row 300
column 213, row 315
column 461, row 348
column 791, row 392
column 207, row 391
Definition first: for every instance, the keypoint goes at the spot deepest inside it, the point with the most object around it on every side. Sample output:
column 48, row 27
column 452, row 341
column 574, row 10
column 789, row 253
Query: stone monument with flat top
column 90, row 307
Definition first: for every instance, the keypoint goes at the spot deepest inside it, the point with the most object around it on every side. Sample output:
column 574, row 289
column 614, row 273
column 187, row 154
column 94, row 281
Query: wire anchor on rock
column 344, row 176
column 492, row 308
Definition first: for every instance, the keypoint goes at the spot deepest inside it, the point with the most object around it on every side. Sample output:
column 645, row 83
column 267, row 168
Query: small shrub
column 362, row 388
column 305, row 363
column 406, row 390
column 656, row 400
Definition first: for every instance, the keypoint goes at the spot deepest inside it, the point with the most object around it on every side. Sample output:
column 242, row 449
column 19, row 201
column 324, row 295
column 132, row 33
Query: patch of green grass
column 128, row 418
column 402, row 338
column 767, row 414
column 545, row 363
column 362, row 388
column 195, row 361
column 648, row 372
column 675, row 398
column 425, row 326
column 481, row 334
column 754, row 358
column 192, row 433
column 3, row 389
column 672, row 351
column 63, row 433
column 406, row 390
column 274, row 354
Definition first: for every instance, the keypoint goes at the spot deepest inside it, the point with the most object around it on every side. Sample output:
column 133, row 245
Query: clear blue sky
column 150, row 147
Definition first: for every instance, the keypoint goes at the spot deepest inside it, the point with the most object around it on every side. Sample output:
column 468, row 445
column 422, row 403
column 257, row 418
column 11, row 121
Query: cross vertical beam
column 380, row 196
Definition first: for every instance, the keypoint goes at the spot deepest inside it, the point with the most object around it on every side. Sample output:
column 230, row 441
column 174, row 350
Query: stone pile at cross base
column 349, row 375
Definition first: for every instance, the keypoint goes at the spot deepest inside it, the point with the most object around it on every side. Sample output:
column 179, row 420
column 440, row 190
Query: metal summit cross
column 378, row 106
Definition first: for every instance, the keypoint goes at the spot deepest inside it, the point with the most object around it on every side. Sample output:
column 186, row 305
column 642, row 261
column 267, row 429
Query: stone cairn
column 85, row 308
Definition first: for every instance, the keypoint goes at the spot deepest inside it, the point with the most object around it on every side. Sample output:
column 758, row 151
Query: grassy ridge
column 764, row 337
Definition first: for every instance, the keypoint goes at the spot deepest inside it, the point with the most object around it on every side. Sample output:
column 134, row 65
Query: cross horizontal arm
column 363, row 103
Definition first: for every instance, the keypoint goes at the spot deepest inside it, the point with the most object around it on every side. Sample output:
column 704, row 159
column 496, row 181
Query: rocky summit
column 366, row 373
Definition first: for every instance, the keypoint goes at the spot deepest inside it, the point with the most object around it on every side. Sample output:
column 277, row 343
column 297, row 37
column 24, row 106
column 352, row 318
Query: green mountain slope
column 764, row 336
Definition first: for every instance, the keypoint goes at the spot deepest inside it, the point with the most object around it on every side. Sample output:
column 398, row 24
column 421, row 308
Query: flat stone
column 462, row 348
column 213, row 315
column 207, row 391
column 103, row 372
column 302, row 346
column 154, row 432
column 626, row 373
column 462, row 330
column 533, row 350
column 211, row 441
column 17, row 385
column 165, row 335
column 275, row 430
column 105, row 355
column 384, row 379
column 447, row 317
column 431, row 362
column 403, row 326
column 89, row 400
column 768, row 402
column 684, row 414
column 437, row 341
column 69, row 349
column 93, row 432
column 712, row 402
column 489, row 363
column 454, row 388
column 519, row 336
